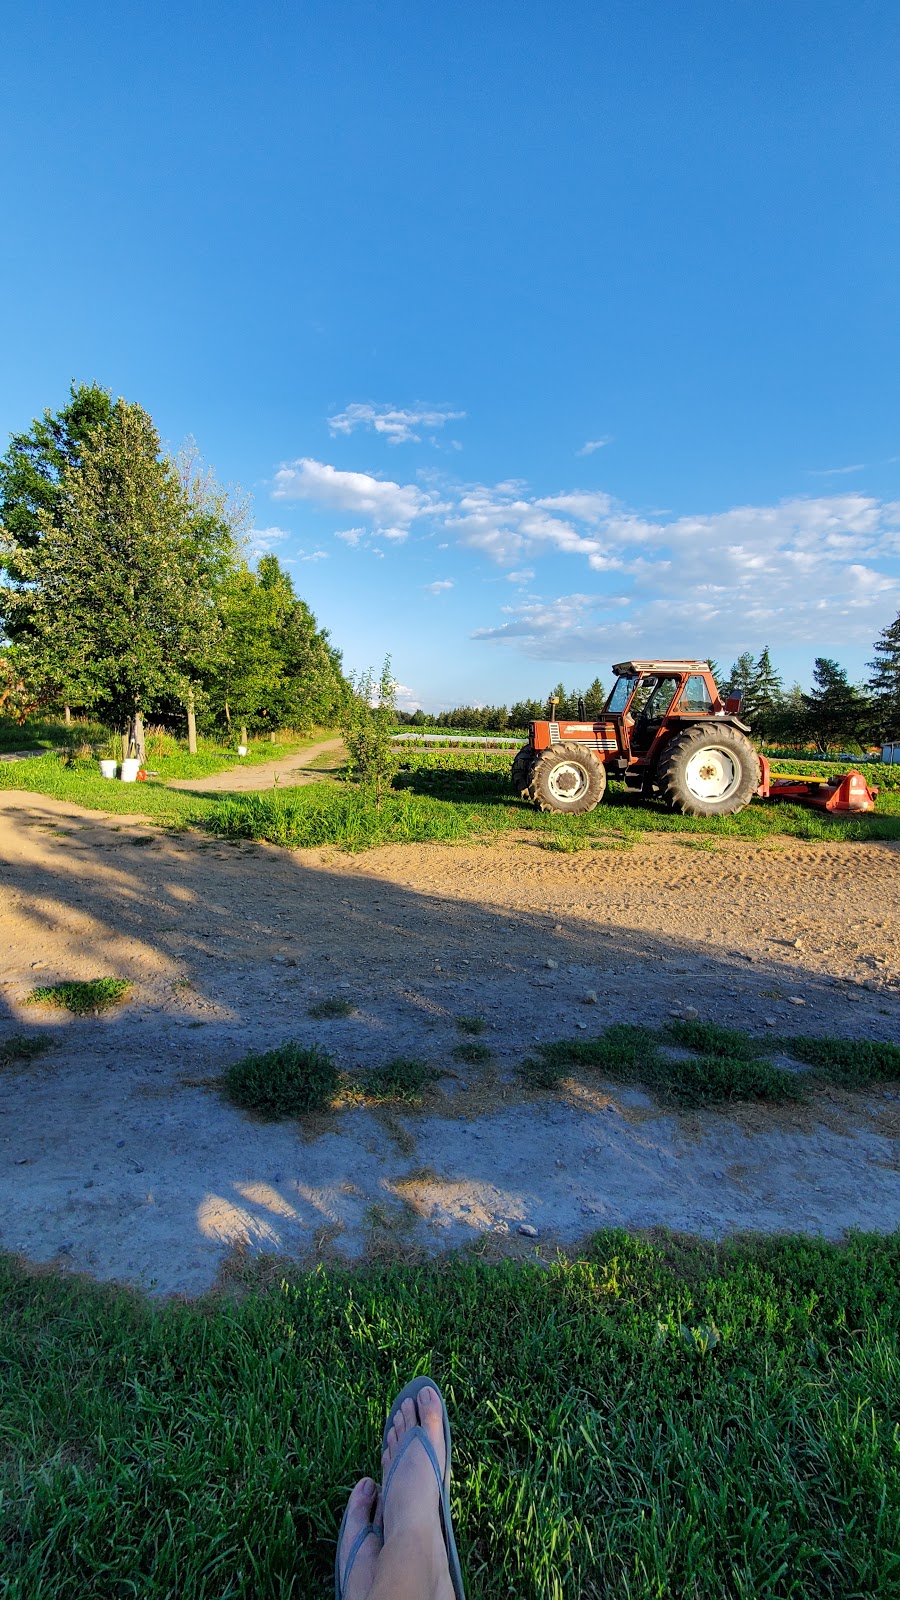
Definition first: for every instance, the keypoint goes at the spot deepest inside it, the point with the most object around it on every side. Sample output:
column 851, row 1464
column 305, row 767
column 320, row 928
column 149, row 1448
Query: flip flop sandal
column 340, row 1583
column 410, row 1393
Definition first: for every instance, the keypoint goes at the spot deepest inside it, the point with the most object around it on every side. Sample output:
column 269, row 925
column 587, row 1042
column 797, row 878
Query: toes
column 431, row 1413
column 359, row 1515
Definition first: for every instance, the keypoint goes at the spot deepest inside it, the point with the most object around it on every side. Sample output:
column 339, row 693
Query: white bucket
column 107, row 769
column 242, row 749
column 129, row 770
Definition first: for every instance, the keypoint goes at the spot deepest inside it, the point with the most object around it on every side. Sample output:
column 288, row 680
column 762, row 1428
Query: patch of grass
column 710, row 1039
column 645, row 1418
column 81, row 996
column 333, row 1006
column 850, row 1063
column 472, row 1052
column 630, row 1053
column 20, row 1048
column 402, row 1078
column 711, row 1080
column 289, row 1081
column 471, row 1025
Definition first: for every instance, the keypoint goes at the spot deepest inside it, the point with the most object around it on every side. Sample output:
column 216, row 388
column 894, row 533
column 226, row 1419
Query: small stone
column 796, row 1000
column 690, row 1013
column 89, row 1184
column 582, row 1026
column 590, row 998
column 798, row 944
column 282, row 960
column 550, row 964
column 120, row 1144
column 20, row 1161
column 438, row 967
column 771, row 1022
column 527, row 1230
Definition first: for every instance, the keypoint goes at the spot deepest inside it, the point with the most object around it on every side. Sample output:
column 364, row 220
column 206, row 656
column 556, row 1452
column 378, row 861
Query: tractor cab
column 647, row 694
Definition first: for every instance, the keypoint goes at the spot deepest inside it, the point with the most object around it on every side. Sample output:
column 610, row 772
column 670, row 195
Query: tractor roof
column 629, row 667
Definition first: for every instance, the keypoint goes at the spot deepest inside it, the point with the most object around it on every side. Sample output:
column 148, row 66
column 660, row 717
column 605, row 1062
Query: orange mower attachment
column 849, row 792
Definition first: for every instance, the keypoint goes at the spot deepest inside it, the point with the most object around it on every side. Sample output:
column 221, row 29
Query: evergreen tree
column 884, row 684
column 740, row 678
column 594, row 699
column 837, row 711
column 764, row 696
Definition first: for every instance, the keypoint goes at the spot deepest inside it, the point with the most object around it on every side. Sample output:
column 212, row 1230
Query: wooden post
column 67, row 714
column 140, row 748
column 243, row 734
column 192, row 724
column 272, row 737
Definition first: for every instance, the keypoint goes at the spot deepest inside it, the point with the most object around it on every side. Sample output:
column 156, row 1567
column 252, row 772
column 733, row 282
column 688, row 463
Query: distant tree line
column 832, row 714
column 125, row 589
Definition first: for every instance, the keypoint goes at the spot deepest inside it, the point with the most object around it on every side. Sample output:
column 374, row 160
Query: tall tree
column 884, row 684
column 764, row 695
column 594, row 698
column 740, row 678
column 117, row 595
column 35, row 464
column 838, row 712
column 277, row 668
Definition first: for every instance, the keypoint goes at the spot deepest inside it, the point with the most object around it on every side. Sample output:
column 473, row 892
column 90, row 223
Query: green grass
column 402, row 1078
column 471, row 1025
column 20, row 1048
column 81, row 995
column 472, row 1051
column 289, row 1081
column 714, row 1080
column 847, row 1063
column 440, row 796
column 333, row 1006
column 649, row 1420
column 710, row 1039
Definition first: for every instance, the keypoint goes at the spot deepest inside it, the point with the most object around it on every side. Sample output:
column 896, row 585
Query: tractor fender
column 718, row 719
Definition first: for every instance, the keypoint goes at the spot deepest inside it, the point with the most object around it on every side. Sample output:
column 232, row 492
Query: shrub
column 709, row 1039
column 21, row 1047
column 850, row 1062
column 709, row 1080
column 401, row 1078
column 286, row 1082
column 334, row 1006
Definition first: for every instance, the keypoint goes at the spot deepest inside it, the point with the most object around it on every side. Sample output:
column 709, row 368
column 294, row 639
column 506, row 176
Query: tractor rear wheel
column 523, row 761
column 566, row 778
column 708, row 772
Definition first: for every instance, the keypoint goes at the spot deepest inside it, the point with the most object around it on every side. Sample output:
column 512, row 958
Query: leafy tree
column 33, row 468
column 276, row 667
column 884, row 684
column 117, row 595
column 837, row 711
column 367, row 724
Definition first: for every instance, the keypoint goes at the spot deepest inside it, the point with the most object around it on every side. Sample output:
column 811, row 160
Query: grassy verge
column 450, row 796
column 651, row 1419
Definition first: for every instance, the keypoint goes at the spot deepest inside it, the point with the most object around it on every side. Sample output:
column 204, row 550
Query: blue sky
column 541, row 335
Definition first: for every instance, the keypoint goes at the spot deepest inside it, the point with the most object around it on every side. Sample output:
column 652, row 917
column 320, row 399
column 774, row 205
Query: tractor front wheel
column 708, row 772
column 566, row 778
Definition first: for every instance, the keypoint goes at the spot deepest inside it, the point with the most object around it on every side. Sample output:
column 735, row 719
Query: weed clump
column 334, row 1006
column 849, row 1063
column 82, row 996
column 289, row 1081
column 626, row 1050
column 710, row 1080
column 401, row 1078
column 472, row 1052
column 21, row 1047
column 471, row 1025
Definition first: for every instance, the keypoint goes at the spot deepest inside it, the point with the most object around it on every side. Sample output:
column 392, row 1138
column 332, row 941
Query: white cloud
column 390, row 506
column 351, row 536
column 524, row 575
column 397, row 425
column 590, row 445
column 837, row 472
column 262, row 541
column 440, row 585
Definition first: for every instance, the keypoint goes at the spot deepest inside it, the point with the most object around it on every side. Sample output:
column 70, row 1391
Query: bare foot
column 364, row 1509
column 412, row 1521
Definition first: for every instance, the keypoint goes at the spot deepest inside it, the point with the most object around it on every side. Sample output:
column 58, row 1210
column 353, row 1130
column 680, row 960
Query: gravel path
column 287, row 772
column 118, row 1155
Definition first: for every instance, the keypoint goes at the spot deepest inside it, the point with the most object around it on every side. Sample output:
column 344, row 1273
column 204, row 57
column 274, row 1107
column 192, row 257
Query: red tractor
column 664, row 730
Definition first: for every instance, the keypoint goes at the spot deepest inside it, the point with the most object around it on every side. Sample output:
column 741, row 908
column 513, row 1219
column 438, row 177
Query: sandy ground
column 119, row 1156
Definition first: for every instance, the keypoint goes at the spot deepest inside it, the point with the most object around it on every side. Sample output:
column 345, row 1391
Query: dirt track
column 288, row 772
column 117, row 1156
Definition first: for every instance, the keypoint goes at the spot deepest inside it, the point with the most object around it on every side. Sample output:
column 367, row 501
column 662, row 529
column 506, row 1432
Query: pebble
column 550, row 964
column 771, row 1022
column 796, row 1000
column 690, row 1013
column 582, row 1026
column 36, row 964
column 528, row 1231
column 590, row 998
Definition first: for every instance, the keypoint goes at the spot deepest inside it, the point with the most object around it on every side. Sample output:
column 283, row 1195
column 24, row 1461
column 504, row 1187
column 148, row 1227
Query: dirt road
column 287, row 772
column 118, row 1155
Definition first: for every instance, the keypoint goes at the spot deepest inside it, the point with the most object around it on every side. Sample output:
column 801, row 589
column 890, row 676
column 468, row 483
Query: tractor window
column 696, row 695
column 618, row 700
column 660, row 698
